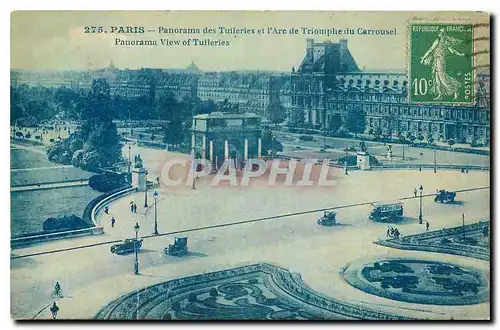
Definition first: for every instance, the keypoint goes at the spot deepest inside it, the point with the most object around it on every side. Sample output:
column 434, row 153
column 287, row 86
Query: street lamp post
column 155, row 195
column 345, row 162
column 420, row 189
column 403, row 152
column 434, row 161
column 193, row 169
column 129, row 160
column 136, row 261
column 463, row 224
column 146, row 191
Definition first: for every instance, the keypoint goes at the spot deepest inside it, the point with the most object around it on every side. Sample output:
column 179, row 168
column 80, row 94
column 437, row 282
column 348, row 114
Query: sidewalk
column 370, row 143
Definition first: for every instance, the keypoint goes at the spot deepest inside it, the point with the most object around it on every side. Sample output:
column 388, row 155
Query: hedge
column 64, row 223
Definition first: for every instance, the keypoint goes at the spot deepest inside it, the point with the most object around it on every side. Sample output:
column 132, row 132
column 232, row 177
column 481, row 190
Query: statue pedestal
column 363, row 160
column 139, row 178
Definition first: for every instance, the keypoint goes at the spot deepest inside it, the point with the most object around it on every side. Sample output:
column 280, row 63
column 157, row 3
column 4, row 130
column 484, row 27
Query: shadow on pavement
column 145, row 251
column 460, row 203
column 197, row 254
column 23, row 263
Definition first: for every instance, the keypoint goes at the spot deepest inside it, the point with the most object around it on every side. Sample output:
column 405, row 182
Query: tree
column 90, row 160
column 335, row 123
column 341, row 132
column 228, row 107
column 77, row 158
column 276, row 113
column 355, row 121
column 31, row 105
column 389, row 123
column 206, row 107
column 77, row 144
column 411, row 137
column 430, row 138
column 225, row 106
column 104, row 140
column 98, row 105
column 174, row 133
column 401, row 137
column 420, row 137
column 298, row 118
column 269, row 143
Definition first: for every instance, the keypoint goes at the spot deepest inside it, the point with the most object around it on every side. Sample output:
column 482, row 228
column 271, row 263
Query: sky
column 49, row 40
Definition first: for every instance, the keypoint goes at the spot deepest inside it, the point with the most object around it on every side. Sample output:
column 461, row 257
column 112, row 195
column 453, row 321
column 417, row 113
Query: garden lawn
column 29, row 209
column 48, row 175
column 21, row 158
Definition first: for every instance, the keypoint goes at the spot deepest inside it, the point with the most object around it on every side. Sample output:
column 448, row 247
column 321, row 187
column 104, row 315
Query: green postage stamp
column 441, row 63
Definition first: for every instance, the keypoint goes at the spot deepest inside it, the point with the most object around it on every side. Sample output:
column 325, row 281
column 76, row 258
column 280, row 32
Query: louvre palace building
column 328, row 84
column 317, row 95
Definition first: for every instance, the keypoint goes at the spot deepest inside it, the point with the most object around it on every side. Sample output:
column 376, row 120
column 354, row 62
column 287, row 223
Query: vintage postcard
column 245, row 165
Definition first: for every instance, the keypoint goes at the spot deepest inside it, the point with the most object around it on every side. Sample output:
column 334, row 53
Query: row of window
column 307, row 101
column 234, row 90
column 228, row 96
column 377, row 97
column 423, row 127
column 471, row 114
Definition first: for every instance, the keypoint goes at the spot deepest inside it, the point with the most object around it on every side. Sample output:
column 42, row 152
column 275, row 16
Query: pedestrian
column 131, row 207
column 57, row 290
column 388, row 232
column 427, row 226
column 420, row 168
column 466, row 170
column 53, row 310
column 415, row 192
column 113, row 220
column 106, row 210
column 135, row 208
column 462, row 170
column 158, row 182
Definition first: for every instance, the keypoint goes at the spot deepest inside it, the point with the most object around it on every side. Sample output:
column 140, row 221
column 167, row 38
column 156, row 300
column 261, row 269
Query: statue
column 138, row 161
column 362, row 146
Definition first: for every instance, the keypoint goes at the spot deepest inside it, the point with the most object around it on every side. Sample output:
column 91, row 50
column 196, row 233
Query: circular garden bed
column 420, row 281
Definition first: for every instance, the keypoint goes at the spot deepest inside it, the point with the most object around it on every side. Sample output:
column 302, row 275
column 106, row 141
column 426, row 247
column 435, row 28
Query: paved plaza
column 319, row 254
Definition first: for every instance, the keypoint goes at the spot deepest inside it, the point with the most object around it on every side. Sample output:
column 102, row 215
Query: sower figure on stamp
column 443, row 83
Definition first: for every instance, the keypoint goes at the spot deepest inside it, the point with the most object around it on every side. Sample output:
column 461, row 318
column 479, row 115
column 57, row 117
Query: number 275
column 94, row 29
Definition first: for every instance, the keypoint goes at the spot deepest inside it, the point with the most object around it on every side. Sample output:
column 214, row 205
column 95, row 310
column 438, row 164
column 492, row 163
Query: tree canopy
column 355, row 121
column 276, row 112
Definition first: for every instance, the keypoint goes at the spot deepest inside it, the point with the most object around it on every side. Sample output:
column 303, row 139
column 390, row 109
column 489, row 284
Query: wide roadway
column 93, row 276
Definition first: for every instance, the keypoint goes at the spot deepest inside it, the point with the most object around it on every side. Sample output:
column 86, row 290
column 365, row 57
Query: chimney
column 309, row 49
column 343, row 43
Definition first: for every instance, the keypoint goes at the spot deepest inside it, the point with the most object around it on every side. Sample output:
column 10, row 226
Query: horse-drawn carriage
column 179, row 248
column 444, row 196
column 127, row 246
column 328, row 219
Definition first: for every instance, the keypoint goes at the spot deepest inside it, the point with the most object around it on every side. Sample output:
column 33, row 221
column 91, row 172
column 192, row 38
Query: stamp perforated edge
column 475, row 53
